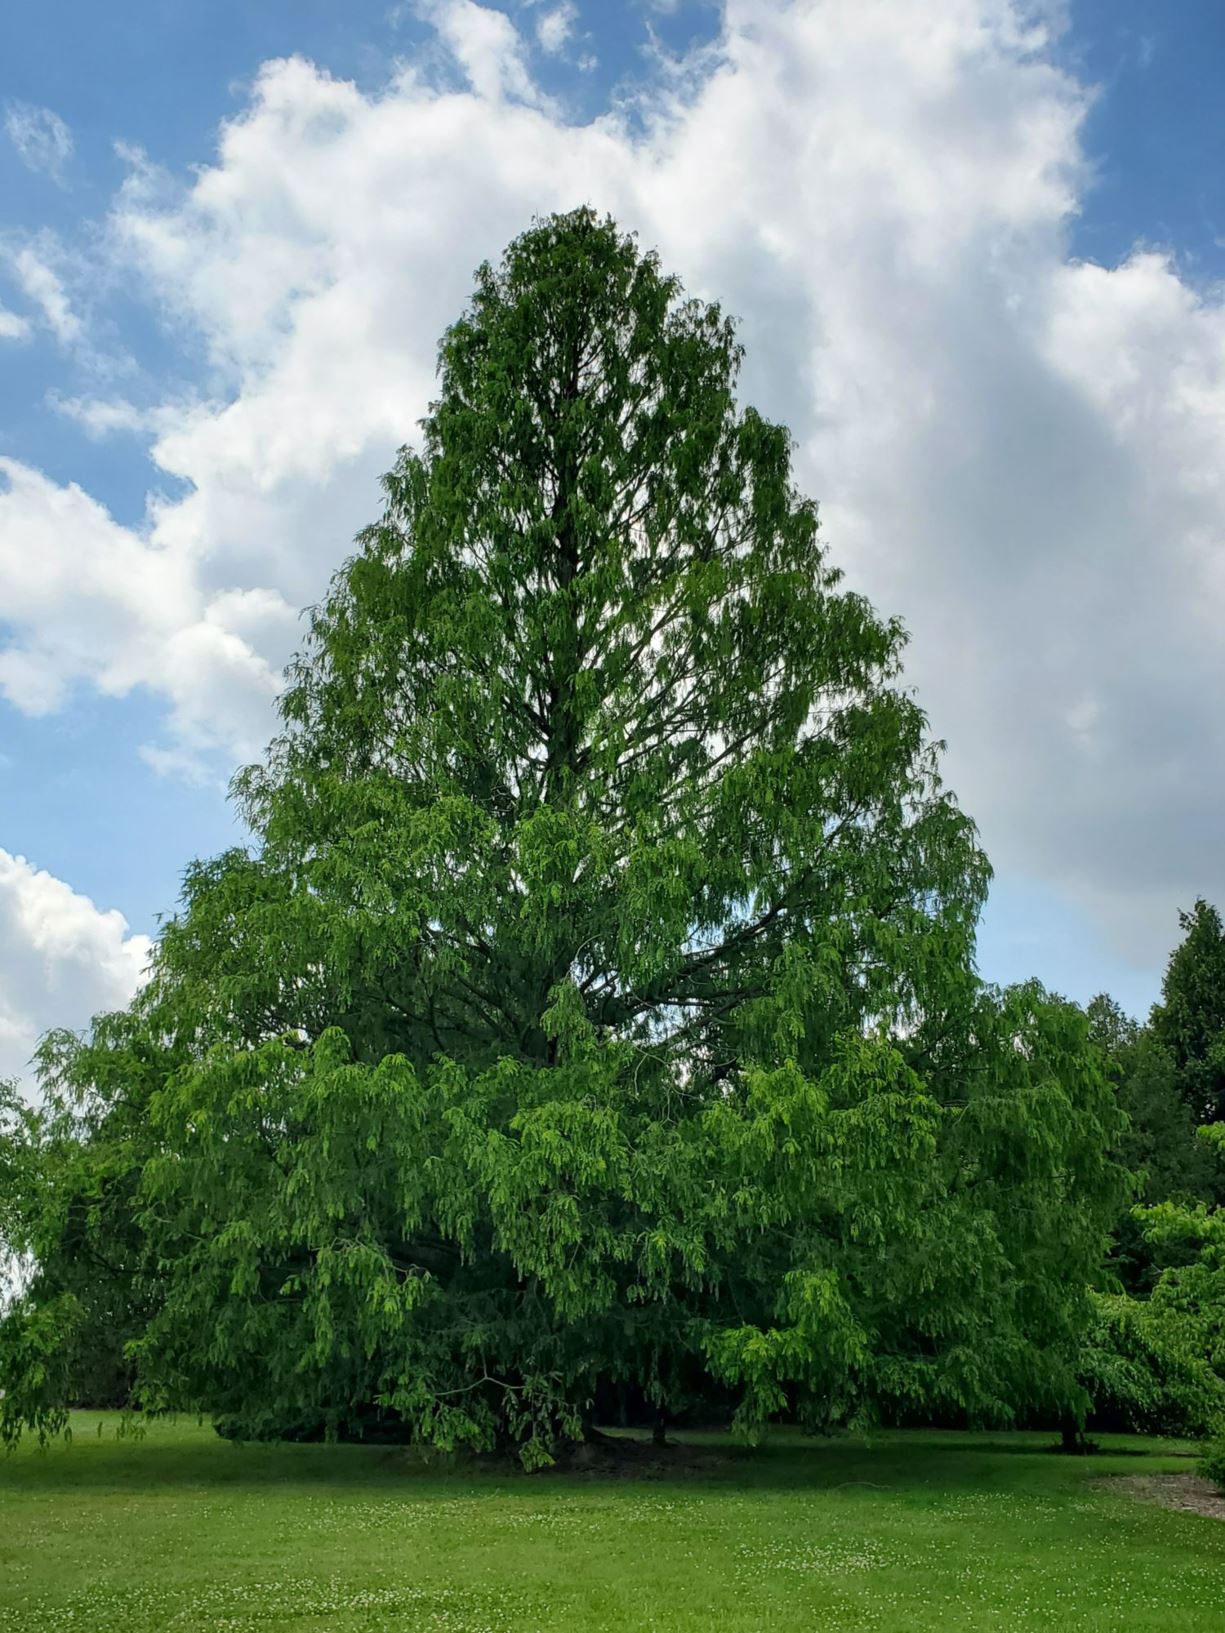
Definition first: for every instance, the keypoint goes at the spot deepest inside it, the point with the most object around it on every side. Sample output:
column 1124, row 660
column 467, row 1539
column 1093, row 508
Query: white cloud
column 91, row 602
column 486, row 45
column 63, row 960
column 42, row 139
column 1018, row 453
column 13, row 326
column 99, row 417
column 555, row 27
column 39, row 281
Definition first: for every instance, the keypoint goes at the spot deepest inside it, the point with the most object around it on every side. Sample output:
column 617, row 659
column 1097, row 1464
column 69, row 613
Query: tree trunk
column 1071, row 1436
column 659, row 1433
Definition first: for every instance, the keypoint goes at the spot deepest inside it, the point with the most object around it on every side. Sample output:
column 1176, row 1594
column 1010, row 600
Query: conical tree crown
column 593, row 659
column 1190, row 1018
column 597, row 1014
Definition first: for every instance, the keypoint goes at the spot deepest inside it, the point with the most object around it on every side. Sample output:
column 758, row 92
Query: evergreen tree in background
column 1153, row 1358
column 1190, row 1019
column 597, row 1007
column 1159, row 1145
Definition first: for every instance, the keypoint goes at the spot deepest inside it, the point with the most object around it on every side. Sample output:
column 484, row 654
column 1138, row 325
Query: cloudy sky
column 975, row 246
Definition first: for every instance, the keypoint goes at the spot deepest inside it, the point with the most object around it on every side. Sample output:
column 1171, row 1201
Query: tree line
column 1154, row 1355
column 592, row 1023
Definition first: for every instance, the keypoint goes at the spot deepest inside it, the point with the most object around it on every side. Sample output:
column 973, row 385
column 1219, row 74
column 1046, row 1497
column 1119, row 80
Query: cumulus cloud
column 487, row 47
column 90, row 602
column 42, row 139
column 63, row 960
column 1017, row 452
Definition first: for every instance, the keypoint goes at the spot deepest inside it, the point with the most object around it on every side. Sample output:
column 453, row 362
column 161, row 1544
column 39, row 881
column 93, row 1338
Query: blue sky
column 1093, row 148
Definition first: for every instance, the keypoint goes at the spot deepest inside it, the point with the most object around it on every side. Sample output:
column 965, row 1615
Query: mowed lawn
column 912, row 1531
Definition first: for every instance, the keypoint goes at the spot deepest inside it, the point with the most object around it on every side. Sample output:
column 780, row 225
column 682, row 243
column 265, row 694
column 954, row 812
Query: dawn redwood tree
column 598, row 1005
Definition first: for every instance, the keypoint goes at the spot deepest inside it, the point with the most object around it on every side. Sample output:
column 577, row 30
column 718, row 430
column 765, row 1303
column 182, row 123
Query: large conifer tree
column 598, row 1005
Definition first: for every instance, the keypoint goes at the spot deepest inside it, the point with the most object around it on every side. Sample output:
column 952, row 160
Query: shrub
column 1143, row 1366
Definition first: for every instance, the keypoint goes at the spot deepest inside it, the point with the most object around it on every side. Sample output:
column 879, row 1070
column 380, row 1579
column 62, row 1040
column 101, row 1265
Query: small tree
column 1144, row 1367
column 1190, row 1298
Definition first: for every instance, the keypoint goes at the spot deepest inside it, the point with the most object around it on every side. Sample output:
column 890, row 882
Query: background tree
column 599, row 1002
column 1147, row 1371
column 1195, row 1291
column 1187, row 1306
column 1152, row 1359
column 1159, row 1144
column 1190, row 1019
column 81, row 1286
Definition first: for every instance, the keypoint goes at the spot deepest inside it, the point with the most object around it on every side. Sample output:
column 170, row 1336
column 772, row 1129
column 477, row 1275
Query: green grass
column 182, row 1531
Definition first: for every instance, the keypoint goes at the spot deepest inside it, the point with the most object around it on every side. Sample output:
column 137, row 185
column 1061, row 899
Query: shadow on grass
column 180, row 1454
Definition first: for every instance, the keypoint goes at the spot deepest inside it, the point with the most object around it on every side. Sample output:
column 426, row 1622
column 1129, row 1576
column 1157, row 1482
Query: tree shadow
column 181, row 1455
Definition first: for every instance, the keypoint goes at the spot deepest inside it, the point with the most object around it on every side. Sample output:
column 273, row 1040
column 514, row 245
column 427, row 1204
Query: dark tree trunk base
column 1072, row 1440
column 605, row 1456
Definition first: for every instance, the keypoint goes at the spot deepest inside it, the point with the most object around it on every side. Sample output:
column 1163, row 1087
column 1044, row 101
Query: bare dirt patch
column 1187, row 1493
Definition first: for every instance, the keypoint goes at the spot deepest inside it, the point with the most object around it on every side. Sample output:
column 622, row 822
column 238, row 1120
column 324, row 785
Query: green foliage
column 1159, row 1145
column 1193, row 1292
column 1156, row 1361
column 1159, row 1363
column 599, row 1004
column 1212, row 1464
column 70, row 1167
column 1190, row 1019
column 1145, row 1370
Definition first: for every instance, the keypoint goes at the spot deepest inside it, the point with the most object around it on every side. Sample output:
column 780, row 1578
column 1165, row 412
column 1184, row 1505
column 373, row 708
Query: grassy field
column 180, row 1530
